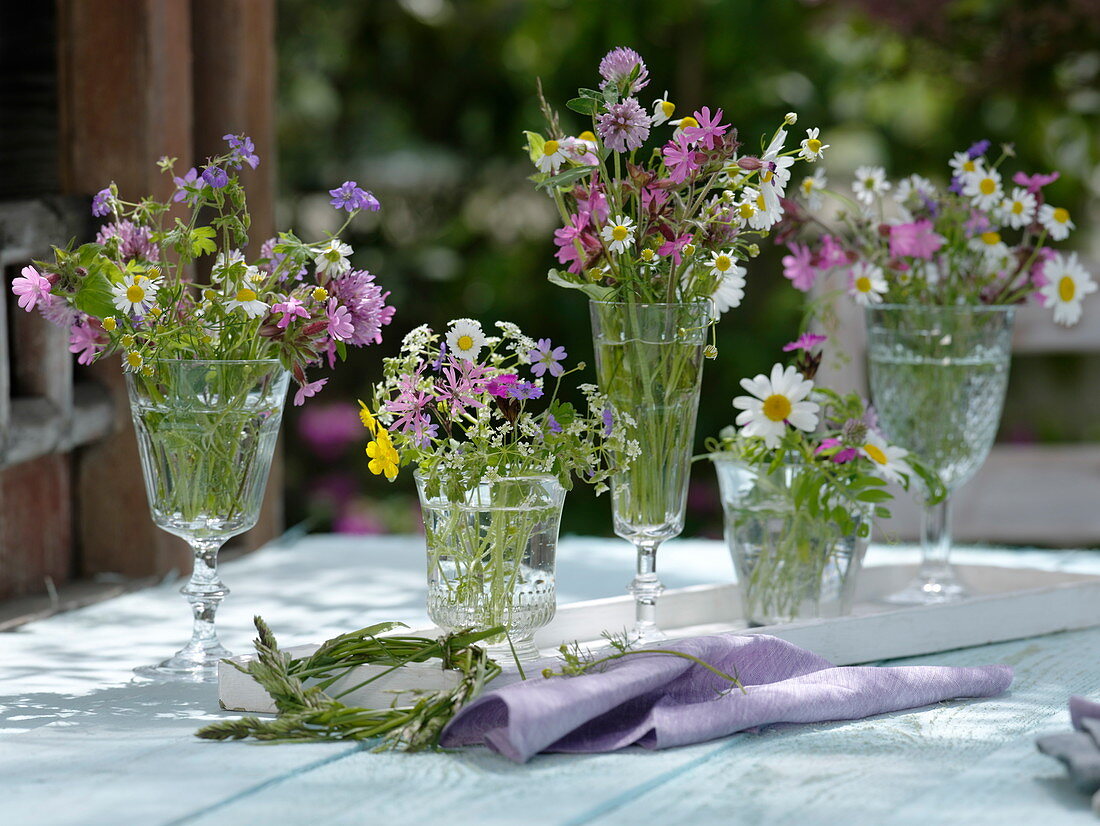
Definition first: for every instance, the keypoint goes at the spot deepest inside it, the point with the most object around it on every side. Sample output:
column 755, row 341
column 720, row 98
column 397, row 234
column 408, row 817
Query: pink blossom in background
column 842, row 456
column 805, row 342
column 500, row 385
column 592, row 201
column 830, row 254
column 798, row 267
column 674, row 248
column 329, row 429
column 976, row 224
column 1038, row 274
column 1034, row 182
column 566, row 239
column 915, row 240
column 358, row 521
column 308, row 391
column 84, row 342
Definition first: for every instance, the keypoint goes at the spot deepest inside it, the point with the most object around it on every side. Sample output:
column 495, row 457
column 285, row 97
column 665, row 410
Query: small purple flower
column 617, row 65
column 624, row 125
column 543, row 358
column 307, row 391
column 275, row 262
column 350, row 196
column 499, row 385
column 978, row 149
column 524, row 391
column 101, row 202
column 608, row 422
column 842, row 456
column 552, row 424
column 244, row 151
column 440, row 358
column 805, row 342
column 190, row 179
column 134, row 241
column 956, row 185
column 215, row 176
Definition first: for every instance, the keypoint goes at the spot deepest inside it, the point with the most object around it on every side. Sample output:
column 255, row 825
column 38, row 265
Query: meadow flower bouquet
column 495, row 450
column 207, row 364
column 657, row 213
column 801, row 475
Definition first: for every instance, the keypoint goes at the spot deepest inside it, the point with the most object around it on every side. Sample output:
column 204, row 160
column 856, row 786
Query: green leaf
column 586, row 106
column 535, row 142
column 202, row 241
column 596, row 291
column 566, row 178
column 874, row 496
column 94, row 295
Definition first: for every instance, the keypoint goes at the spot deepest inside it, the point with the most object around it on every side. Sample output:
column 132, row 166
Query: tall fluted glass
column 206, row 433
column 649, row 360
column 938, row 379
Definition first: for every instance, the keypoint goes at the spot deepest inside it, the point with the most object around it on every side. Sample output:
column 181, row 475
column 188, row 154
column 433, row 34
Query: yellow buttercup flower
column 384, row 459
column 367, row 418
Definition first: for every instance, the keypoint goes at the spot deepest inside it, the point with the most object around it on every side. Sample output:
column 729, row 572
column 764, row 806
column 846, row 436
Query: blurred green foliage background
column 424, row 102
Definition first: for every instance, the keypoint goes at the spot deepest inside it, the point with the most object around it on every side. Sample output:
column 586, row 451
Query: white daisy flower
column 812, row 148
column 1055, row 220
column 962, row 165
column 136, row 294
column 992, row 249
column 889, row 460
column 618, row 234
column 662, row 110
column 1017, row 210
column 332, row 258
column 248, row 301
column 867, row 284
column 812, row 187
column 776, row 402
column 552, row 157
column 465, row 339
column 686, row 122
column 768, row 210
column 914, row 185
column 983, row 188
column 870, row 182
column 730, row 290
column 721, row 263
column 774, row 180
column 1067, row 285
column 746, row 209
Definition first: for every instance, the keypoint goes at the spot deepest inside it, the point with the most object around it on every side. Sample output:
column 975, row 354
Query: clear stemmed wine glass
column 938, row 376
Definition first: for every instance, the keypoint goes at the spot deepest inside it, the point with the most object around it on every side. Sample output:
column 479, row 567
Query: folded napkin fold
column 1079, row 750
column 659, row 701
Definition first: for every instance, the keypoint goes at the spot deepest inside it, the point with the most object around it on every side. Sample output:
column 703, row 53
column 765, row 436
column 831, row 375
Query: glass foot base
column 187, row 665
column 525, row 651
column 642, row 635
column 929, row 592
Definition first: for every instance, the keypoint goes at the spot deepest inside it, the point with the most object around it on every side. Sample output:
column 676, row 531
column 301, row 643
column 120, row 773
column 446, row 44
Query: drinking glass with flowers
column 941, row 272
column 801, row 477
column 495, row 449
column 658, row 213
column 207, row 362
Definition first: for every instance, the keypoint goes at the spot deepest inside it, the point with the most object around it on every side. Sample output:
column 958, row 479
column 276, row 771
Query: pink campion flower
column 680, row 159
column 340, row 327
column 32, row 287
column 674, row 248
column 915, row 240
column 805, row 342
column 500, row 385
column 798, row 267
column 291, row 308
column 459, row 385
column 708, row 132
column 594, row 202
column 85, row 342
column 1034, row 182
column 567, row 237
column 842, row 456
column 308, row 391
column 830, row 254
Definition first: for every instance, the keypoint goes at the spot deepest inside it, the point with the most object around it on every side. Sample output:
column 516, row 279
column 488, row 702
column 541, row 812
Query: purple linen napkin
column 659, row 701
column 1079, row 750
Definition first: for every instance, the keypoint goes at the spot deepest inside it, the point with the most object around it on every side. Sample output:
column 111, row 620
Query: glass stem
column 205, row 591
column 646, row 588
column 936, row 541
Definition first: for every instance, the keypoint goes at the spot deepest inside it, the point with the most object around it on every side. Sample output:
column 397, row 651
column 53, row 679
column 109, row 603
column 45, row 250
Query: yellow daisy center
column 1061, row 215
column 668, row 107
column 1017, row 207
column 134, row 294
column 134, row 360
column 127, row 340
column 689, row 249
column 969, row 166
column 586, row 135
column 987, row 186
column 155, row 312
column 550, row 147
column 109, row 324
column 863, row 284
column 620, row 233
column 688, row 121
column 722, row 263
column 1067, row 289
column 991, row 238
column 875, row 452
column 647, row 254
column 320, row 294
column 777, row 407
column 814, row 145
column 465, row 342
column 747, row 210
column 245, row 295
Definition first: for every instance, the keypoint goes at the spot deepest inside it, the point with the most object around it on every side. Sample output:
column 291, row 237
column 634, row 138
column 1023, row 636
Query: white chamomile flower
column 332, row 258
column 132, row 362
column 1018, row 210
column 867, row 284
column 870, row 183
column 992, row 248
column 777, row 172
column 618, row 234
column 812, row 148
column 889, row 460
column 136, row 294
column 812, row 187
column 1067, row 285
column 721, row 263
column 962, row 164
column 914, row 185
column 552, row 157
column 686, row 122
column 1055, row 220
column 983, row 188
column 746, row 209
column 730, row 290
column 465, row 339
column 768, row 209
column 662, row 110
column 248, row 301
column 223, row 261
column 776, row 402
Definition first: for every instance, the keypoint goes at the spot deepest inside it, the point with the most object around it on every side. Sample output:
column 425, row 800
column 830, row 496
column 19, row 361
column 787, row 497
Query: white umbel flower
column 889, row 461
column 867, row 284
column 870, row 183
column 983, row 188
column 618, row 234
column 552, row 157
column 465, row 338
column 136, row 294
column 776, row 402
column 1056, row 221
column 1067, row 285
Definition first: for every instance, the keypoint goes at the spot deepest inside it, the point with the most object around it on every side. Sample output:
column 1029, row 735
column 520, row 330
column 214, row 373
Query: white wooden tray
column 1007, row 604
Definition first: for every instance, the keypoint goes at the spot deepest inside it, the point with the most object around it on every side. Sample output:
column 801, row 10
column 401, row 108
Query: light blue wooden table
column 80, row 743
